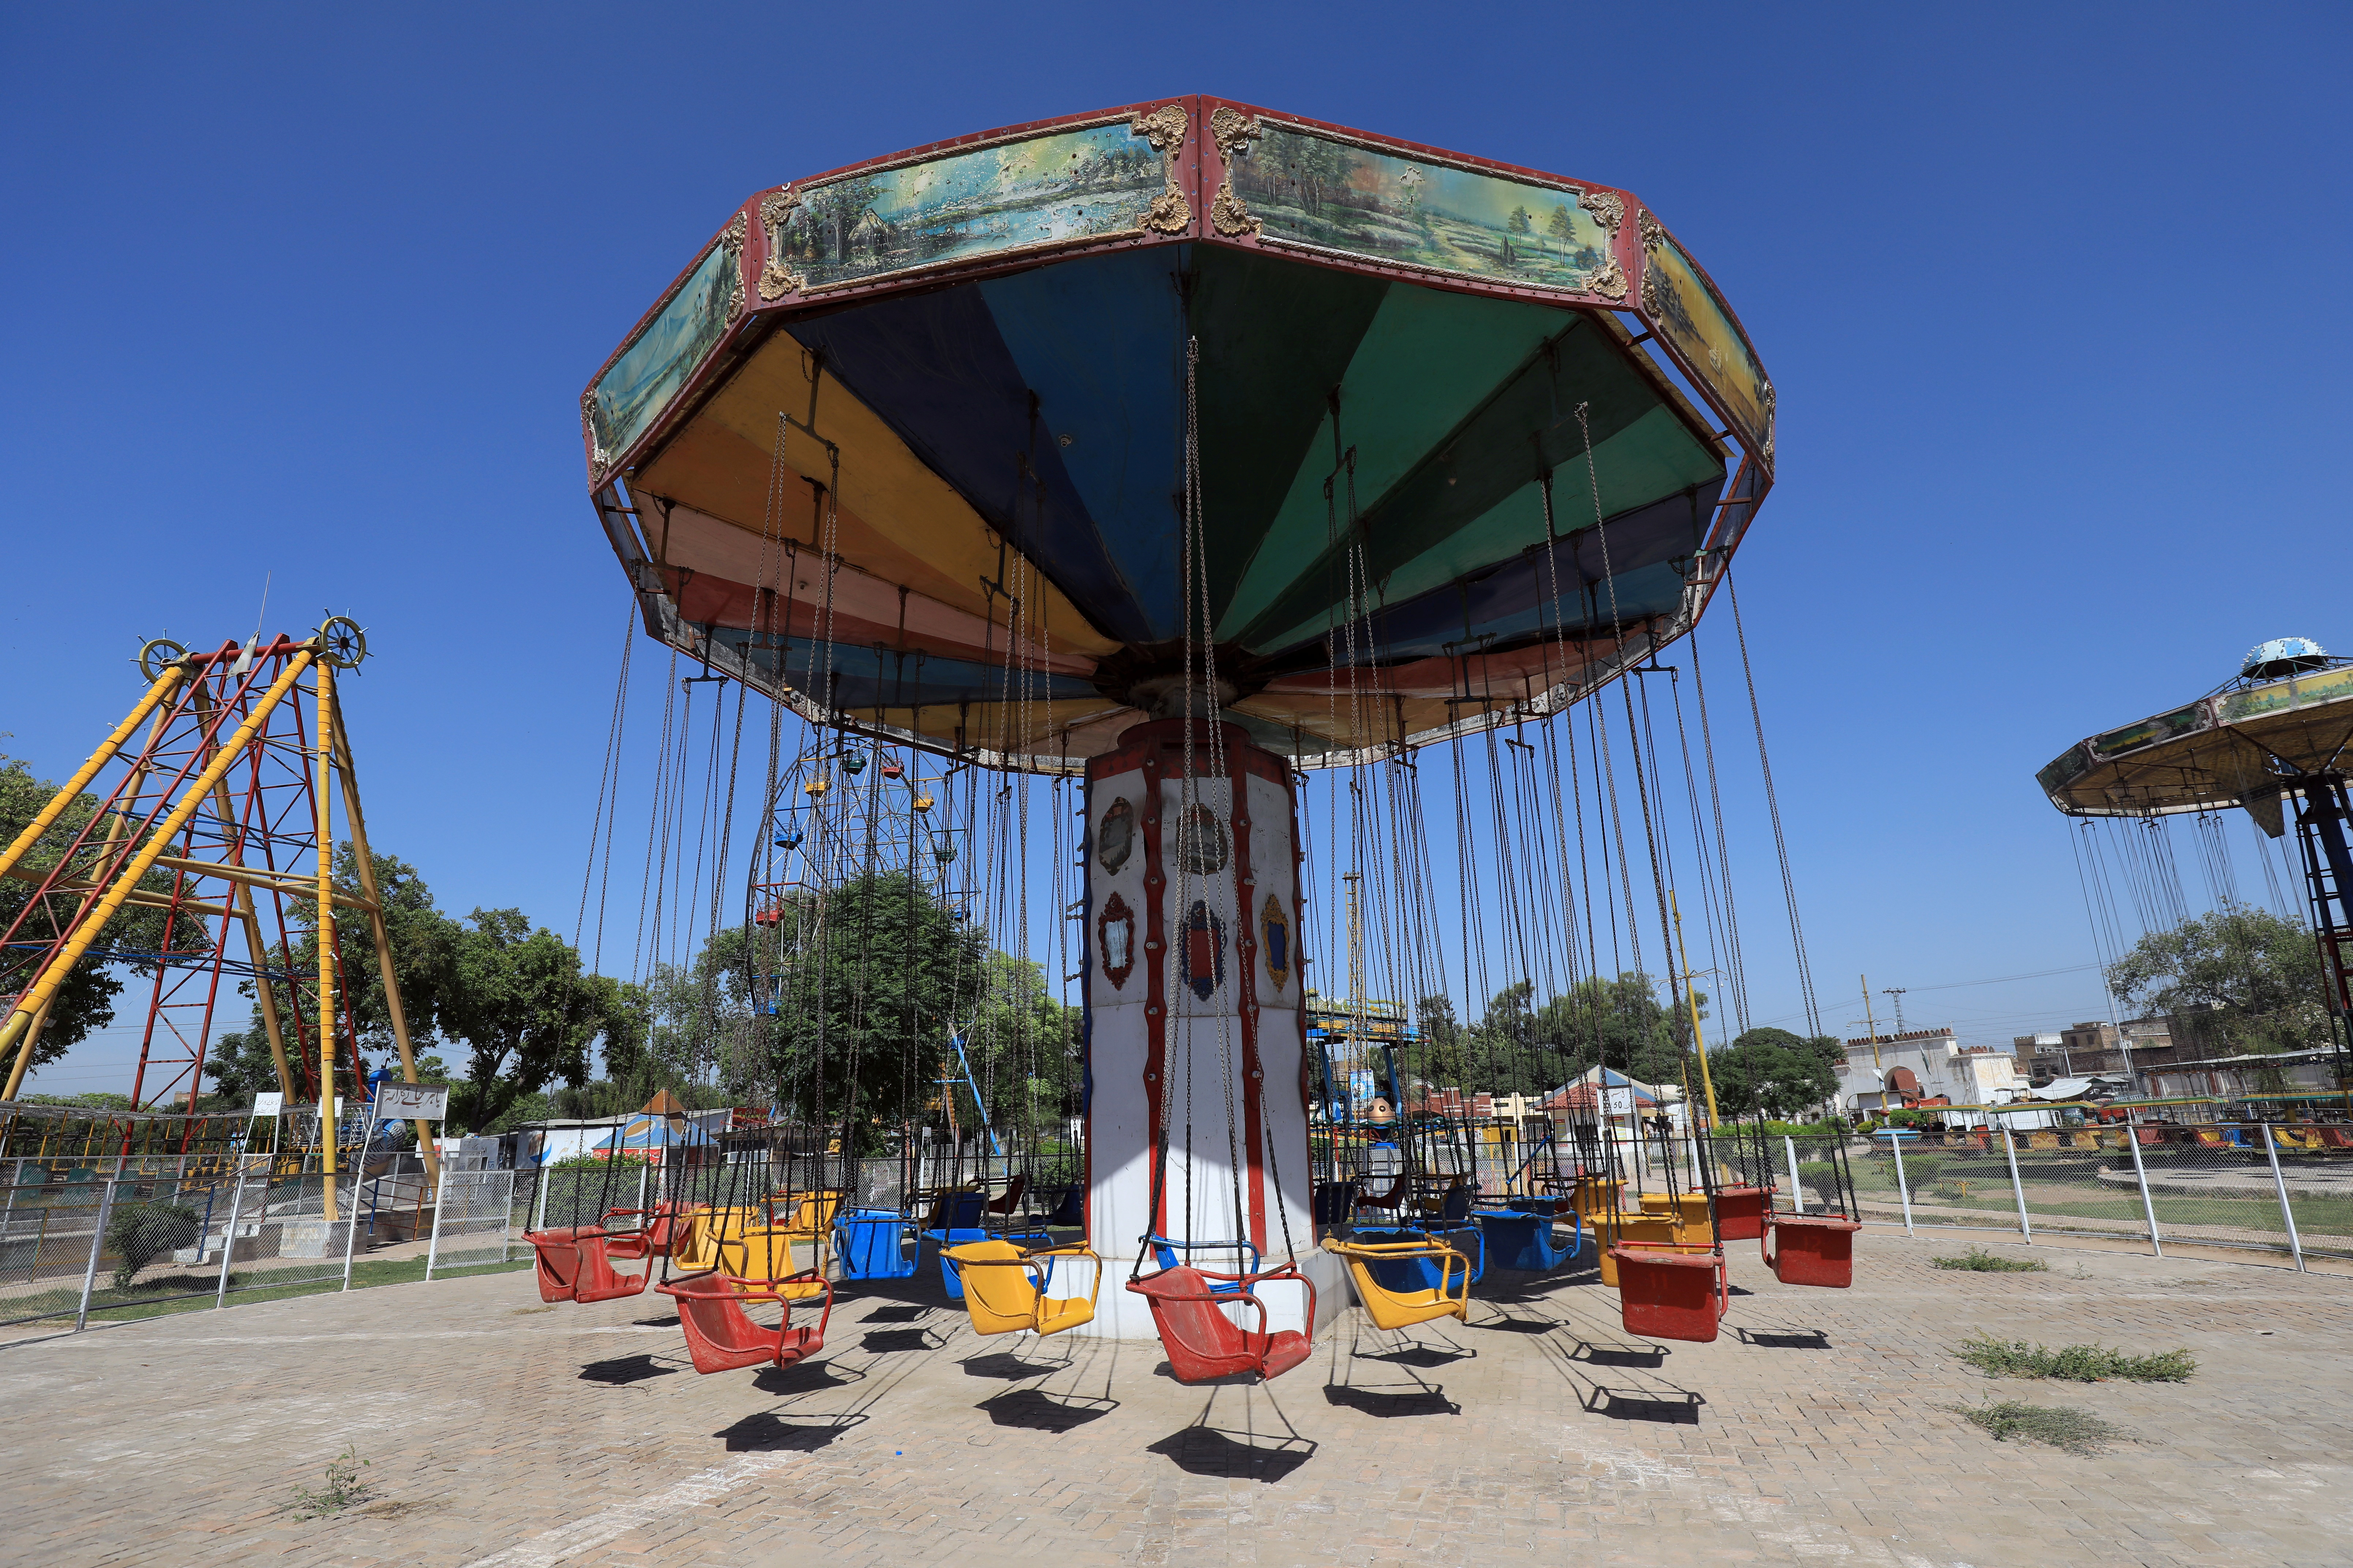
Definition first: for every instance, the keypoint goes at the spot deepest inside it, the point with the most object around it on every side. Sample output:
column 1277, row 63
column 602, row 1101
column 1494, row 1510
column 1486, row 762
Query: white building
column 1924, row 1065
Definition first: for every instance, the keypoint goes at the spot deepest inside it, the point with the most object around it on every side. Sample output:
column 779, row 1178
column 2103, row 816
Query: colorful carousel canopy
column 1471, row 438
column 2237, row 746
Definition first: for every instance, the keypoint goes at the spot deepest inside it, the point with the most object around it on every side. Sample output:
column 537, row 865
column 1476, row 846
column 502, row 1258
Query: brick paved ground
column 504, row 1433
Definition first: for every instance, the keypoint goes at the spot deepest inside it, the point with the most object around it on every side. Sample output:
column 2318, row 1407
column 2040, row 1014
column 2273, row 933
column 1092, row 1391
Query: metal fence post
column 1796, row 1187
column 506, row 1216
column 539, row 1179
column 2017, row 1185
column 352, row 1220
column 2288, row 1216
column 1902, row 1186
column 97, row 1241
column 228, row 1237
column 433, row 1247
column 2140, row 1175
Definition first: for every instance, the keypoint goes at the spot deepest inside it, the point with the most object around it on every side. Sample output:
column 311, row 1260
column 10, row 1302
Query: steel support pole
column 2279, row 1182
column 433, row 1247
column 359, row 1175
column 2140, row 1175
column 2017, row 1185
column 322, row 806
column 540, row 1179
column 97, row 1242
column 1796, row 1187
column 1902, row 1185
column 228, row 1238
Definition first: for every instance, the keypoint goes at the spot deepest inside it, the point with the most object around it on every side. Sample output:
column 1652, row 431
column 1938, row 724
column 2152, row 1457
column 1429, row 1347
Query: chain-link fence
column 2266, row 1186
column 134, row 1235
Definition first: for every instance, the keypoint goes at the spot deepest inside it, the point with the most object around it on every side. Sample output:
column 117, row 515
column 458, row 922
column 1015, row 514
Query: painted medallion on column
column 1276, row 928
column 1202, row 841
column 1201, row 957
column 1115, row 837
column 1115, row 929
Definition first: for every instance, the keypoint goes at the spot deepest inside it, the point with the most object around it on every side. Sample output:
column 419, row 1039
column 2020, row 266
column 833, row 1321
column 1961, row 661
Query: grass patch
column 167, row 1294
column 345, row 1488
column 2072, row 1363
column 1978, row 1260
column 2076, row 1431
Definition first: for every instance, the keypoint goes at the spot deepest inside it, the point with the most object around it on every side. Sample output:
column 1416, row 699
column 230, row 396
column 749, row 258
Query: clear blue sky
column 313, row 293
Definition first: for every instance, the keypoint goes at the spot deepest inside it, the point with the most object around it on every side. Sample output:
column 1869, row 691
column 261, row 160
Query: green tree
column 1561, row 228
column 1522, row 221
column 1774, row 1071
column 1443, row 1048
column 2236, row 980
column 526, row 1014
column 423, row 942
column 867, row 986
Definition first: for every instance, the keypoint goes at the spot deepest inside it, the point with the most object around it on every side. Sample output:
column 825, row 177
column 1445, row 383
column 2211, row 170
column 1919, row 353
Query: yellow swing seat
column 1393, row 1309
column 1004, row 1287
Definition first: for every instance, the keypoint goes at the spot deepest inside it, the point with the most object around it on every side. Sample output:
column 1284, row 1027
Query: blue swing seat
column 1524, row 1241
column 873, row 1244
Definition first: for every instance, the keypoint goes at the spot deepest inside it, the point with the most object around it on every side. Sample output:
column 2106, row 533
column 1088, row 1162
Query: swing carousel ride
column 1164, row 455
column 2271, row 741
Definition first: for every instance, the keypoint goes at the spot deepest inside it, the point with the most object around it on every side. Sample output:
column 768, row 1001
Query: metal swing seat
column 1006, row 1288
column 1391, row 1307
column 722, row 1337
column 1204, row 1342
column 1671, row 1290
column 1521, row 1238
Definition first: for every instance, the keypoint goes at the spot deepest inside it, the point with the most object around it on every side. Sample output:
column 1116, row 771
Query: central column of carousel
column 1195, row 1004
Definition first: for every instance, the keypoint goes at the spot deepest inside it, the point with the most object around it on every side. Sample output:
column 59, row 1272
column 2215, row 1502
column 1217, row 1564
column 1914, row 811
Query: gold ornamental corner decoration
column 600, row 461
column 1648, row 227
column 1610, row 207
column 1772, row 400
column 731, row 236
column 1165, row 128
column 776, row 280
column 1233, row 132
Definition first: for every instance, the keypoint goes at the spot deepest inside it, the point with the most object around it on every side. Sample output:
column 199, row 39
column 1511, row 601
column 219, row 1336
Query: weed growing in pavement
column 345, row 1488
column 2072, row 1363
column 2076, row 1431
column 1978, row 1260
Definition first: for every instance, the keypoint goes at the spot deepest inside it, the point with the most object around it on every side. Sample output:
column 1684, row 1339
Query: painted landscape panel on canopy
column 1093, row 182
column 638, row 386
column 1389, row 207
column 1699, row 323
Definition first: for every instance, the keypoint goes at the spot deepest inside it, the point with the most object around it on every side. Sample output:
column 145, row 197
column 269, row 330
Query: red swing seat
column 596, row 1281
column 1203, row 1344
column 1816, row 1250
column 558, row 1251
column 652, row 1241
column 1740, row 1212
column 1671, row 1290
column 720, row 1337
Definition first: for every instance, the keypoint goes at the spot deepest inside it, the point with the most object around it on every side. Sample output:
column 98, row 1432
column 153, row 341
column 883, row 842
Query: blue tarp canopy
column 657, row 1132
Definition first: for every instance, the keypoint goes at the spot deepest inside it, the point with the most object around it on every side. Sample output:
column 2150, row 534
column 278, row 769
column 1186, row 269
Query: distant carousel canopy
column 1443, row 480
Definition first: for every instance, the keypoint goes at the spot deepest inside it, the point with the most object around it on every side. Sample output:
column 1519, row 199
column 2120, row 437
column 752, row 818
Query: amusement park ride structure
column 2273, row 740
column 1182, row 446
column 208, row 859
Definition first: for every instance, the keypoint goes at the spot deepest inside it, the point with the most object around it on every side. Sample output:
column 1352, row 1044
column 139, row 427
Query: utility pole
column 1873, row 1025
column 1896, row 991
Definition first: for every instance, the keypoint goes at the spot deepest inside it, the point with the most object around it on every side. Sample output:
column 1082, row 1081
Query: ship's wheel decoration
column 1115, row 930
column 1201, row 962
